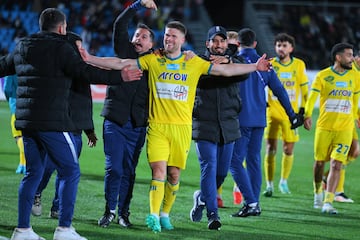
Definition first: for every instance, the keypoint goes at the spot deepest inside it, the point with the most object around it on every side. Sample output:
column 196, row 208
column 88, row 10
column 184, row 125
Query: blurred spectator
column 317, row 28
column 92, row 20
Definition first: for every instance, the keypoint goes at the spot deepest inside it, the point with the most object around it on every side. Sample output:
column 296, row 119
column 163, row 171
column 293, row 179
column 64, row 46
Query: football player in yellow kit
column 292, row 73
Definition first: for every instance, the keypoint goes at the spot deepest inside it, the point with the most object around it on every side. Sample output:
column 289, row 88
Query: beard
column 346, row 66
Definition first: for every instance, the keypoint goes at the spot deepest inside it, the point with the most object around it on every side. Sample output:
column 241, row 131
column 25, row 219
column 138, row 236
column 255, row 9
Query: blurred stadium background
column 316, row 25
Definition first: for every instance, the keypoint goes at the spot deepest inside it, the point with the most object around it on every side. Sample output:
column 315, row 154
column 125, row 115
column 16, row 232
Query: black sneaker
column 246, row 211
column 214, row 221
column 123, row 220
column 106, row 219
column 54, row 214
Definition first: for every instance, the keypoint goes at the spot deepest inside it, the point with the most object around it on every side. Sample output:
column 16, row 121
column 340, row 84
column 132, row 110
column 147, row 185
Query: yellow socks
column 329, row 197
column 170, row 196
column 269, row 166
column 286, row 165
column 317, row 187
column 340, row 186
column 156, row 196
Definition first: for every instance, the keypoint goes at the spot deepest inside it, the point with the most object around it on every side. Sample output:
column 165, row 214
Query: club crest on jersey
column 161, row 61
column 172, row 66
column 329, row 79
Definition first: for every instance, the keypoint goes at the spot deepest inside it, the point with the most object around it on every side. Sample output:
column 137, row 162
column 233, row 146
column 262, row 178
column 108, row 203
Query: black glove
column 302, row 111
column 298, row 119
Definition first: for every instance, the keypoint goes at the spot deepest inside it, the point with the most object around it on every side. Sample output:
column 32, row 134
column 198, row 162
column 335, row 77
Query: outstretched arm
column 232, row 69
column 108, row 62
column 122, row 45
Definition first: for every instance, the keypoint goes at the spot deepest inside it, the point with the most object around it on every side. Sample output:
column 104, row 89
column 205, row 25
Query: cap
column 217, row 30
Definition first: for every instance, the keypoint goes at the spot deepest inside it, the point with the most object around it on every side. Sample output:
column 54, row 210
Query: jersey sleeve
column 304, row 83
column 314, row 93
column 143, row 61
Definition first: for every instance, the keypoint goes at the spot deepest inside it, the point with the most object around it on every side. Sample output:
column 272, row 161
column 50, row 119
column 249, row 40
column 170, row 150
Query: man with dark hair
column 246, row 160
column 46, row 66
column 215, row 127
column 338, row 87
column 292, row 73
column 125, row 115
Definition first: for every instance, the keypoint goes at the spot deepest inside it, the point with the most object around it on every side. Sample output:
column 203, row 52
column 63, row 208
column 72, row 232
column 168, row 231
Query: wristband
column 136, row 5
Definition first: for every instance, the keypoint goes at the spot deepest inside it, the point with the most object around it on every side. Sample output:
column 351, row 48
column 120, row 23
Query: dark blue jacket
column 253, row 95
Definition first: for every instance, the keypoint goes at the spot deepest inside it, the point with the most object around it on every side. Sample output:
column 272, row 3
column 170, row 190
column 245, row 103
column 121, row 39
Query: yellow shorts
column 277, row 129
column 15, row 132
column 331, row 144
column 168, row 142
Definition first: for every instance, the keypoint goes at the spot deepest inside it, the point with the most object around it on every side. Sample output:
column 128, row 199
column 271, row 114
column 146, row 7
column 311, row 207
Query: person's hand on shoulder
column 217, row 59
column 189, row 54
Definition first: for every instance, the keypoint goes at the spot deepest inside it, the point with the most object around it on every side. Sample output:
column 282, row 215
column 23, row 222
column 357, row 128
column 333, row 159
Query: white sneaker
column 67, row 234
column 28, row 234
column 328, row 208
column 318, row 200
column 36, row 208
column 341, row 197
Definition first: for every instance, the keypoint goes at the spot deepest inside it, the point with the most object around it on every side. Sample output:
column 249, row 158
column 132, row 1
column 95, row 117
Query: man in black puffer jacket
column 215, row 126
column 45, row 64
column 81, row 107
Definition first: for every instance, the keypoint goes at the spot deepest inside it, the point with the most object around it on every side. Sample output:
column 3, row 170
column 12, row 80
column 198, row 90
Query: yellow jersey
column 339, row 95
column 172, row 86
column 295, row 81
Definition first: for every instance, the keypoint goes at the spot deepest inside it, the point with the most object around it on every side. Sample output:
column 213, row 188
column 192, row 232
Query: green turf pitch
column 287, row 217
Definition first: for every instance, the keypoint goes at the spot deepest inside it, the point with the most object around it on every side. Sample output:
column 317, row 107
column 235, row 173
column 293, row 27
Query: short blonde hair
column 233, row 37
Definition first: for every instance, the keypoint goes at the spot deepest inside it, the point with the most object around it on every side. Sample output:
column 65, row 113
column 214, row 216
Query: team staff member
column 215, row 127
column 172, row 82
column 81, row 114
column 45, row 64
column 246, row 160
column 125, row 115
column 339, row 89
column 292, row 73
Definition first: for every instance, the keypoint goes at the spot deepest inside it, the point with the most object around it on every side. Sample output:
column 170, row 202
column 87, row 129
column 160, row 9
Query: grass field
column 283, row 216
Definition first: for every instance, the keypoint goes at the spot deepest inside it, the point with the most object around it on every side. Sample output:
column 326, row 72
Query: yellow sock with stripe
column 329, row 197
column 269, row 166
column 170, row 196
column 286, row 165
column 156, row 196
column 20, row 145
column 340, row 186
